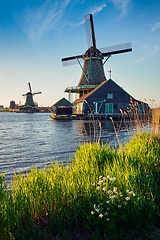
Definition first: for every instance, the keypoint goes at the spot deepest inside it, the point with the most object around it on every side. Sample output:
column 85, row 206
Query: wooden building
column 108, row 98
column 63, row 107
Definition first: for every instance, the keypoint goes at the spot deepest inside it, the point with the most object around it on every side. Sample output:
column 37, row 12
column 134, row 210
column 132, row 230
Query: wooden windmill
column 94, row 60
column 29, row 96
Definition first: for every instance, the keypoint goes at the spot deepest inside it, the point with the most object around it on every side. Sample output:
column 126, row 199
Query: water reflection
column 107, row 131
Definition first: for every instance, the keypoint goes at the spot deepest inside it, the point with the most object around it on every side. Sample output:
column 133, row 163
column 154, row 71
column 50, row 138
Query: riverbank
column 104, row 193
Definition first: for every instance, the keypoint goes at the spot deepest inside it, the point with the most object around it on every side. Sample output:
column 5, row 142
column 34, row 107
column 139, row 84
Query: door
column 109, row 107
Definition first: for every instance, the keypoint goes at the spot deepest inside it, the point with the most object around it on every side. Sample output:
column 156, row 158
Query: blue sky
column 36, row 34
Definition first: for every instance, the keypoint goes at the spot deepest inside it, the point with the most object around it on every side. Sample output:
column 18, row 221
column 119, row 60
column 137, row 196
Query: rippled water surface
column 35, row 139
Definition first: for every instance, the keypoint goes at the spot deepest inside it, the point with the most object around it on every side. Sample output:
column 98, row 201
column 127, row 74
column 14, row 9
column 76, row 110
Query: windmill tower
column 29, row 96
column 93, row 61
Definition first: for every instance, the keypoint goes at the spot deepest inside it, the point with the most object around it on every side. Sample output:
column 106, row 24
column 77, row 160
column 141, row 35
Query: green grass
column 104, row 193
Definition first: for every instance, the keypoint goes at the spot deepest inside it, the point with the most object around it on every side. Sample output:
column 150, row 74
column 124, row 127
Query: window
column 141, row 110
column 110, row 95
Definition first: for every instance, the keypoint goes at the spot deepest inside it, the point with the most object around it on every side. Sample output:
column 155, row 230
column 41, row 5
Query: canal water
column 27, row 140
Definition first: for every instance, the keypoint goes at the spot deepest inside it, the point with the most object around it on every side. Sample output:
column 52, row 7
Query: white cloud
column 40, row 19
column 151, row 53
column 121, row 4
column 78, row 24
column 93, row 10
column 98, row 9
column 155, row 26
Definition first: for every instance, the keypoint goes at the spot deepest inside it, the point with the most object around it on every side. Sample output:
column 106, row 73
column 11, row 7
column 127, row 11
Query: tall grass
column 105, row 192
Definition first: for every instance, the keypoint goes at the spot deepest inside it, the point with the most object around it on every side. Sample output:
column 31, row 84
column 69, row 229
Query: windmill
column 94, row 60
column 29, row 96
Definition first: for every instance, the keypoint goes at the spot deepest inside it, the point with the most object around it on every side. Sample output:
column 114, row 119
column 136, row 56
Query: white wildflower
column 100, row 181
column 104, row 178
column 104, row 189
column 112, row 179
column 127, row 191
column 119, row 206
column 98, row 188
column 109, row 191
column 107, row 201
column 97, row 209
column 114, row 189
column 127, row 198
column 108, row 176
column 104, row 183
column 100, row 176
column 113, row 196
column 131, row 192
column 92, row 212
column 101, row 215
column 94, row 184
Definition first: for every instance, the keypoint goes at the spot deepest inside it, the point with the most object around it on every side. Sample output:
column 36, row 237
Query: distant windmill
column 92, row 70
column 29, row 96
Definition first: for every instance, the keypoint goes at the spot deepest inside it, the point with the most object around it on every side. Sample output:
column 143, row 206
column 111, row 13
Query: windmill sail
column 116, row 49
column 30, row 87
column 90, row 30
column 37, row 93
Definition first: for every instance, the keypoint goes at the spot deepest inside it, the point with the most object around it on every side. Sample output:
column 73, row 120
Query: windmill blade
column 90, row 30
column 24, row 94
column 37, row 93
column 121, row 48
column 30, row 87
column 71, row 60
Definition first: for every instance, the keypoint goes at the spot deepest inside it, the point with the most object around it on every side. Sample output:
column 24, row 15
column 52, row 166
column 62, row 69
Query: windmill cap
column 94, row 52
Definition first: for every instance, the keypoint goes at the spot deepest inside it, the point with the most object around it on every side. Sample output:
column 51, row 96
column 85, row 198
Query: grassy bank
column 104, row 193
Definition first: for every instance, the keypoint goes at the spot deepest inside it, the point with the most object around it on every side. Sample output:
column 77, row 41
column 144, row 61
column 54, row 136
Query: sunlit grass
column 122, row 183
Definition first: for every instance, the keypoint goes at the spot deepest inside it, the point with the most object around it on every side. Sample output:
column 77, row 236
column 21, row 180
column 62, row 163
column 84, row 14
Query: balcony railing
column 80, row 87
